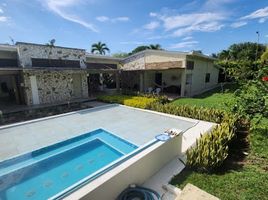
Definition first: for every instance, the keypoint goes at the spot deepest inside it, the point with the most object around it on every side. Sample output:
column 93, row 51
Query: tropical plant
column 212, row 115
column 211, row 149
column 99, row 48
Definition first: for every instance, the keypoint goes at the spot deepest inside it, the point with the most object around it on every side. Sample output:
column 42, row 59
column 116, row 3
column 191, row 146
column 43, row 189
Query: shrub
column 134, row 101
column 212, row 115
column 211, row 149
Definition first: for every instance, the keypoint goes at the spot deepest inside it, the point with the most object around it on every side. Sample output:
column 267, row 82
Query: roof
column 164, row 52
column 7, row 47
column 35, row 44
column 98, row 56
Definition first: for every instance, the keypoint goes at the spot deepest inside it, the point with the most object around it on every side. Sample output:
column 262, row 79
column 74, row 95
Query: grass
column 250, row 180
column 213, row 99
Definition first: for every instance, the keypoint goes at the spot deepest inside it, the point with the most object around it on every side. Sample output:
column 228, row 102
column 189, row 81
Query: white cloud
column 238, row 24
column 185, row 45
column 120, row 19
column 185, row 24
column 132, row 42
column 187, row 38
column 152, row 25
column 261, row 14
column 3, row 19
column 102, row 18
column 216, row 4
column 1, row 11
column 178, row 21
column 203, row 27
column 107, row 19
column 152, row 14
column 59, row 6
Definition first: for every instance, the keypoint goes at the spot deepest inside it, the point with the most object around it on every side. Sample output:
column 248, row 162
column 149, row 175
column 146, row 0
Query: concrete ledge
column 191, row 192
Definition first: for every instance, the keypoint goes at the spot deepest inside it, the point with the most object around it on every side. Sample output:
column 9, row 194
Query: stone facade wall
column 28, row 51
column 134, row 62
column 54, row 86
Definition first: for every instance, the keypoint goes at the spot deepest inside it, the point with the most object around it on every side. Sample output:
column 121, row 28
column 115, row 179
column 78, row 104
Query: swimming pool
column 46, row 172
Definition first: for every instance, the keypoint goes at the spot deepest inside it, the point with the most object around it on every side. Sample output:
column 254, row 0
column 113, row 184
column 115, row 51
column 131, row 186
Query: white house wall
column 201, row 67
column 154, row 58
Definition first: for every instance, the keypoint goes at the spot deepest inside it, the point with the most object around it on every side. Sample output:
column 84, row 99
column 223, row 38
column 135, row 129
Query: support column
column 101, row 82
column 183, row 82
column 141, row 82
column 117, row 80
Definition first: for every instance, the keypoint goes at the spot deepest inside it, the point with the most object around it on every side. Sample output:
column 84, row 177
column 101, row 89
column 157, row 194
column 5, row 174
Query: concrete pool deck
column 135, row 125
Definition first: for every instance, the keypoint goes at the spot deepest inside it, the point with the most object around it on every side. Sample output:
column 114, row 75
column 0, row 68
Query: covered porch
column 170, row 81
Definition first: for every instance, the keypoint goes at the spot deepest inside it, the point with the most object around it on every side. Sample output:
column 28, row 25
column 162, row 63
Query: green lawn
column 212, row 99
column 248, row 181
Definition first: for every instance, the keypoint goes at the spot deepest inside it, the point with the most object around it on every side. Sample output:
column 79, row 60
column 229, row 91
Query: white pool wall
column 135, row 170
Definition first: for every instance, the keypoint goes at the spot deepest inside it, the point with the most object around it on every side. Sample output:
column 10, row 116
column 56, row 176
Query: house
column 41, row 74
column 184, row 73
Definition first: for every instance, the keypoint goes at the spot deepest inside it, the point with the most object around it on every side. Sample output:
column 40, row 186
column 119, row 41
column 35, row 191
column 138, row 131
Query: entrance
column 10, row 91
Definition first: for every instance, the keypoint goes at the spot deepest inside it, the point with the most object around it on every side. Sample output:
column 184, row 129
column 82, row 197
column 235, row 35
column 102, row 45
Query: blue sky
column 180, row 25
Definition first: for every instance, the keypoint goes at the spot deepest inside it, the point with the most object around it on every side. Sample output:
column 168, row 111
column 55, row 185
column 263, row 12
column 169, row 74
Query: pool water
column 46, row 172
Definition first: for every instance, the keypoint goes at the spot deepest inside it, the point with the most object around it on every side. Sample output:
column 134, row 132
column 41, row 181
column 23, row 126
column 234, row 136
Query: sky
column 177, row 25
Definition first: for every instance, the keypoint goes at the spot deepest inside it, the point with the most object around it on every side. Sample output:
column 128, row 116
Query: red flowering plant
column 265, row 78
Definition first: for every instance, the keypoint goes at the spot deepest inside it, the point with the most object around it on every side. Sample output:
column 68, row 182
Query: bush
column 212, row 149
column 134, row 101
column 212, row 115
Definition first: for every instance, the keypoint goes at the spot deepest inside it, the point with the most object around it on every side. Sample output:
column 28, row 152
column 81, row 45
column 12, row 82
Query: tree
column 144, row 47
column 120, row 55
column 243, row 51
column 155, row 47
column 264, row 56
column 51, row 43
column 138, row 49
column 99, row 48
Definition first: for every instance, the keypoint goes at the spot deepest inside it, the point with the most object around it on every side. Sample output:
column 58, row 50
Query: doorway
column 158, row 78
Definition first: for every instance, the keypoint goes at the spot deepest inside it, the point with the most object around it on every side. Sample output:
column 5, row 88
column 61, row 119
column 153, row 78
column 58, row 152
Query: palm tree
column 155, row 47
column 100, row 48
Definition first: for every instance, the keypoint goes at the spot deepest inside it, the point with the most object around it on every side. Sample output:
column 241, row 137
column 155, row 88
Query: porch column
column 117, row 80
column 183, row 82
column 141, row 82
column 101, row 82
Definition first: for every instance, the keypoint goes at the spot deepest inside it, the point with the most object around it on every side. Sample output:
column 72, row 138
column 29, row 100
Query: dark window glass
column 207, row 77
column 190, row 65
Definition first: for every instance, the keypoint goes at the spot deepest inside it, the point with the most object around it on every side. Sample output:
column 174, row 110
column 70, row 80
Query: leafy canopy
column 242, row 51
column 144, row 47
column 99, row 48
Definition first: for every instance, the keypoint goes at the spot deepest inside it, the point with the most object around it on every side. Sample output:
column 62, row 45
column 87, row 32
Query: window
column 207, row 77
column 188, row 79
column 190, row 65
